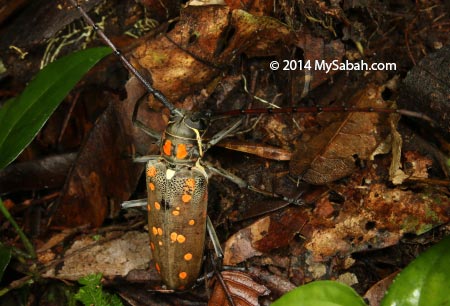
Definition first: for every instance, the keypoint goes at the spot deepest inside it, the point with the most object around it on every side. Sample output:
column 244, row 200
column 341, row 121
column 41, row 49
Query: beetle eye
column 198, row 120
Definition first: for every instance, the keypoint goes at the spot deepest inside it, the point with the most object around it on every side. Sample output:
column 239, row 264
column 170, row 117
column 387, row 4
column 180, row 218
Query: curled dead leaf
column 243, row 289
column 266, row 151
column 376, row 293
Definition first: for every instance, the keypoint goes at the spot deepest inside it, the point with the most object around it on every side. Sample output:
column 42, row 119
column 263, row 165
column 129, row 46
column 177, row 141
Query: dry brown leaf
column 243, row 289
column 396, row 174
column 101, row 175
column 266, row 151
column 239, row 246
column 377, row 291
column 205, row 39
column 266, row 234
column 332, row 154
column 277, row 284
column 113, row 258
column 58, row 238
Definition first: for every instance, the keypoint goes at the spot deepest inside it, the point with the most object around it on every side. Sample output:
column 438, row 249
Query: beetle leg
column 215, row 240
column 223, row 133
column 139, row 124
column 243, row 184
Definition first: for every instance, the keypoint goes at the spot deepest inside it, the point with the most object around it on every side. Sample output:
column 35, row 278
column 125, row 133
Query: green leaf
column 92, row 280
column 90, row 296
column 425, row 281
column 321, row 293
column 6, row 105
column 114, row 300
column 5, row 257
column 92, row 293
column 22, row 118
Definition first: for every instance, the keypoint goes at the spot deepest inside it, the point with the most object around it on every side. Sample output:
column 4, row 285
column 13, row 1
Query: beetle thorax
column 181, row 142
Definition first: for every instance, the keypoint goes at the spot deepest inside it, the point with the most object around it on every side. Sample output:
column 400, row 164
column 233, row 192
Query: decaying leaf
column 274, row 282
column 268, row 152
column 116, row 257
column 58, row 238
column 396, row 174
column 239, row 246
column 381, row 218
column 267, row 233
column 332, row 154
column 205, row 39
column 372, row 216
column 87, row 195
column 375, row 294
column 243, row 289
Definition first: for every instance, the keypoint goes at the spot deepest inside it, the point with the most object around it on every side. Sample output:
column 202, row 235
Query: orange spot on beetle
column 182, row 275
column 160, row 231
column 149, row 207
column 167, row 147
column 191, row 222
column 157, row 206
column 186, row 198
column 181, row 151
column 157, row 268
column 151, row 186
column 187, row 256
column 154, row 231
column 160, row 243
column 152, row 246
column 176, row 237
column 151, row 171
column 190, row 182
column 175, row 213
column 181, row 239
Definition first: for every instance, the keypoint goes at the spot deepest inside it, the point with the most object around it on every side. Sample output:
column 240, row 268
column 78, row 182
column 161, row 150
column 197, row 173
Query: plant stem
column 27, row 244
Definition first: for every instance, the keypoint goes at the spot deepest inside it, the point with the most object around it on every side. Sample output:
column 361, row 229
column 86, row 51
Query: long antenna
column 318, row 109
column 156, row 93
